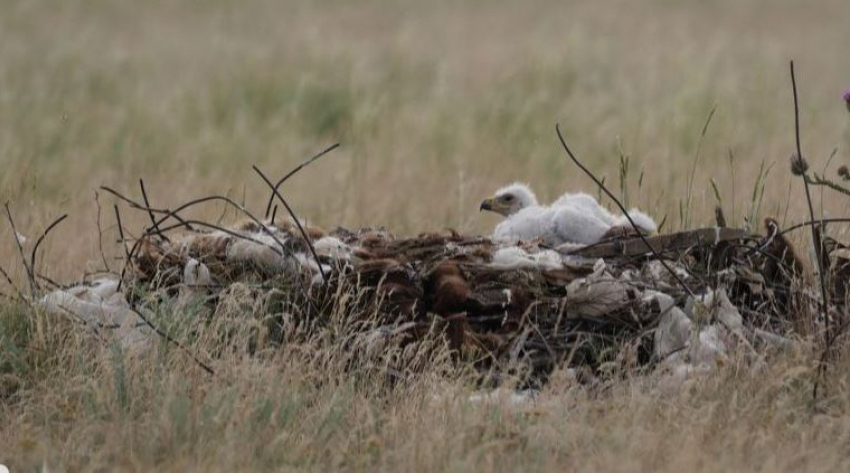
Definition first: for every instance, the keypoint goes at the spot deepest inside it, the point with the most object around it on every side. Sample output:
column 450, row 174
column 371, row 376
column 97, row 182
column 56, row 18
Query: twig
column 297, row 222
column 220, row 229
column 810, row 222
column 824, row 307
column 625, row 213
column 293, row 172
column 150, row 214
column 30, row 275
column 187, row 224
column 100, row 232
column 53, row 283
column 168, row 213
column 41, row 239
column 12, row 284
column 174, row 213
column 171, row 339
column 123, row 244
column 819, row 180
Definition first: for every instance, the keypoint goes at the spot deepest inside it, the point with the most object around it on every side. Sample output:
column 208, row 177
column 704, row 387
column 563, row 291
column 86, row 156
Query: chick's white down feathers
column 572, row 218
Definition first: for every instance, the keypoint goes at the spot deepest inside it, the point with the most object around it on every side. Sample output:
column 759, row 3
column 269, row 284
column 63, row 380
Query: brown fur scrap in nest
column 448, row 289
column 390, row 284
column 206, row 247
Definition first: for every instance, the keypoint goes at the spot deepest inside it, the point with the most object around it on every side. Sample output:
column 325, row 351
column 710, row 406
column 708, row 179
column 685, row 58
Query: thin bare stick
column 100, row 232
column 150, row 214
column 824, row 305
column 625, row 213
column 172, row 340
column 293, row 172
column 818, row 180
column 297, row 222
column 41, row 239
column 808, row 223
column 49, row 281
column 127, row 256
column 139, row 206
column 174, row 213
column 12, row 284
column 30, row 275
column 187, row 224
column 220, row 229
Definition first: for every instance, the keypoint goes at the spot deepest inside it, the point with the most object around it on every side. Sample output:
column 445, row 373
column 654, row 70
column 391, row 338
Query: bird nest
column 686, row 299
column 691, row 297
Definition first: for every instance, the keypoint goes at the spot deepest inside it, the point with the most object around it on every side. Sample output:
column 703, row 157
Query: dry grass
column 73, row 403
column 436, row 104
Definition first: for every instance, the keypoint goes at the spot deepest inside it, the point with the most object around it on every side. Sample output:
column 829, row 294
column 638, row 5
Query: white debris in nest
column 308, row 263
column 724, row 311
column 196, row 278
column 695, row 340
column 264, row 252
column 710, row 347
column 514, row 257
column 665, row 301
column 103, row 308
column 508, row 296
column 655, row 271
column 261, row 250
column 681, row 340
column 196, row 274
column 333, row 248
column 597, row 294
column 673, row 335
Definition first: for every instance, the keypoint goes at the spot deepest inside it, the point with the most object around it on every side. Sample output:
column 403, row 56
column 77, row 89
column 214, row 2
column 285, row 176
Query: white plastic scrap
column 709, row 347
column 597, row 294
column 673, row 335
column 263, row 251
column 725, row 312
column 196, row 273
column 332, row 247
column 655, row 271
column 196, row 278
column 694, row 340
column 514, row 257
column 103, row 308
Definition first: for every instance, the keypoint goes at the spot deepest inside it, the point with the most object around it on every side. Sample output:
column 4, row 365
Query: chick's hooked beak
column 487, row 204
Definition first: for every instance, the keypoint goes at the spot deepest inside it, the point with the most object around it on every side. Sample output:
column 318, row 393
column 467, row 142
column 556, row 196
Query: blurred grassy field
column 436, row 105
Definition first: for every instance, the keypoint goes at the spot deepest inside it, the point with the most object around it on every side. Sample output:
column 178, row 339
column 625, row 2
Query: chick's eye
column 508, row 198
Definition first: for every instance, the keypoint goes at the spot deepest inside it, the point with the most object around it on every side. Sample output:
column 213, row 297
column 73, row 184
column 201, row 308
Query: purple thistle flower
column 846, row 97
